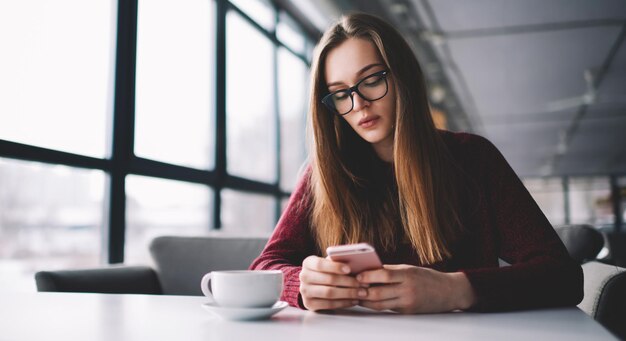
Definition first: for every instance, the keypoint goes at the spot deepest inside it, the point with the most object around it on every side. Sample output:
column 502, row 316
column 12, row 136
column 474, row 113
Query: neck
column 384, row 150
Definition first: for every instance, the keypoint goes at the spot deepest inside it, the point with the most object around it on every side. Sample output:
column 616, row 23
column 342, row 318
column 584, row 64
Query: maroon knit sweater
column 503, row 222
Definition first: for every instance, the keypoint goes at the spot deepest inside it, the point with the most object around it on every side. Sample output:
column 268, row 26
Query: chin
column 373, row 139
column 375, row 136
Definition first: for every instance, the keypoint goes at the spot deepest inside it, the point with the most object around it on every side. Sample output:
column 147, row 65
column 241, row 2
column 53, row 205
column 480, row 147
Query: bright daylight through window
column 57, row 89
column 56, row 92
column 174, row 96
column 250, row 119
column 56, row 81
column 51, row 217
column 156, row 207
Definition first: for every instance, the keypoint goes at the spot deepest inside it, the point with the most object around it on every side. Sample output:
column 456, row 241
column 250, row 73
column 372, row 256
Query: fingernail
column 359, row 277
column 362, row 293
column 345, row 269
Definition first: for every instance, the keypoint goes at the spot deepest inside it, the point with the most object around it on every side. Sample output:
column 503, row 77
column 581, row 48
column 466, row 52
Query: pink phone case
column 359, row 257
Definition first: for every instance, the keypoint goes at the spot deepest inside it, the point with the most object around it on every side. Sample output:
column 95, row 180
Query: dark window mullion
column 271, row 35
column 220, row 109
column 157, row 169
column 277, row 196
column 123, row 126
column 616, row 200
column 27, row 152
column 566, row 203
column 309, row 31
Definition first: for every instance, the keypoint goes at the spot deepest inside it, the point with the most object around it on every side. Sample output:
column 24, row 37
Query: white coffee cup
column 243, row 288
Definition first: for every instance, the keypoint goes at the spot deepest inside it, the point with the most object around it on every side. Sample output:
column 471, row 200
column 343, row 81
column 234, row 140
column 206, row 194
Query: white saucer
column 244, row 313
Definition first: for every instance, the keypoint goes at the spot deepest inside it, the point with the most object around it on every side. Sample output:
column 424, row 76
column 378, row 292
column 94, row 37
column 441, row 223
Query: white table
column 73, row 316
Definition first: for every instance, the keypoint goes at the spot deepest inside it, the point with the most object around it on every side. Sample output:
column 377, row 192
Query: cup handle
column 204, row 285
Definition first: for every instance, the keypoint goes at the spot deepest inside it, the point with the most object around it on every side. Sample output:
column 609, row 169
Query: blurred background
column 125, row 120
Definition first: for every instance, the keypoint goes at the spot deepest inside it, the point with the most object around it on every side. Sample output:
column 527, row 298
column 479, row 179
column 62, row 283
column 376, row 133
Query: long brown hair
column 350, row 204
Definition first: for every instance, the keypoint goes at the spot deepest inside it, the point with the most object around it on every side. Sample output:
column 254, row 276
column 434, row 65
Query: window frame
column 122, row 161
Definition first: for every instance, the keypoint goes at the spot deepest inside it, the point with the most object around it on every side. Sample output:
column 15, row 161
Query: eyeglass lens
column 371, row 88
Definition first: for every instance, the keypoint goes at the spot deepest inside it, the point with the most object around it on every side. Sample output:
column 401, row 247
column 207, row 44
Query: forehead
column 344, row 61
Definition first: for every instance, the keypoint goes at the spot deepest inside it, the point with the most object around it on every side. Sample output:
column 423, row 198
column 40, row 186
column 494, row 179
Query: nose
column 359, row 102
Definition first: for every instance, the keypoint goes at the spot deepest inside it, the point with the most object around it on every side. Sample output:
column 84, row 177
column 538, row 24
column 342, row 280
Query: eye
column 373, row 80
column 340, row 95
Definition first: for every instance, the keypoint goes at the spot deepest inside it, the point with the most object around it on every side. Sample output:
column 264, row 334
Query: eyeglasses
column 370, row 88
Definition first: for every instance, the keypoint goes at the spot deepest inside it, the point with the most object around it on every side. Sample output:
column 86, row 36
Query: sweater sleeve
column 541, row 274
column 290, row 243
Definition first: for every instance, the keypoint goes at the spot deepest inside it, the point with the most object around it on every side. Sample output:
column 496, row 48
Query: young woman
column 441, row 208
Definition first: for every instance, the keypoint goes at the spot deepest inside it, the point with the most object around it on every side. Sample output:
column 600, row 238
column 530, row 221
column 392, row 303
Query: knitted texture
column 500, row 220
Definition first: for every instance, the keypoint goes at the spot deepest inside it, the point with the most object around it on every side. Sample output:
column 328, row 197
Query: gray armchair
column 180, row 263
column 605, row 296
column 583, row 242
column 110, row 280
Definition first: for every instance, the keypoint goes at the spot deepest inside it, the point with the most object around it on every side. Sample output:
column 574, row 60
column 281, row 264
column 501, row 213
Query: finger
column 383, row 292
column 381, row 305
column 317, row 304
column 380, row 276
column 325, row 265
column 330, row 292
column 394, row 266
column 315, row 277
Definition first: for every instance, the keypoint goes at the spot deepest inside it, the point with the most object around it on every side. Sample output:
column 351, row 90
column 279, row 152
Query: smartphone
column 359, row 257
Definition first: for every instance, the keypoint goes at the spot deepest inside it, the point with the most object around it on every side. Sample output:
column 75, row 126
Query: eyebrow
column 359, row 73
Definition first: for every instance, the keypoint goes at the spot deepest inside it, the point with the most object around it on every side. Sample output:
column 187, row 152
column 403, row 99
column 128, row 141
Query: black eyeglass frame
column 328, row 99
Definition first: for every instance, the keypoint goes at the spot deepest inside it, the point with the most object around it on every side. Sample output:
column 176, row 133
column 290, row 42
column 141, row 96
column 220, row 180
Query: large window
column 289, row 33
column 250, row 109
column 156, row 207
column 56, row 73
column 174, row 96
column 293, row 88
column 124, row 120
column 260, row 11
column 247, row 213
column 580, row 200
column 549, row 195
column 51, row 217
column 590, row 201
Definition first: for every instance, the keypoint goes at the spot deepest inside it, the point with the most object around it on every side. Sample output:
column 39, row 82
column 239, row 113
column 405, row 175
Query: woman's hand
column 409, row 289
column 325, row 284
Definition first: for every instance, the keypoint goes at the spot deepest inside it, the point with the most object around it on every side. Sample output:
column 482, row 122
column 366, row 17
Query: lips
column 367, row 122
